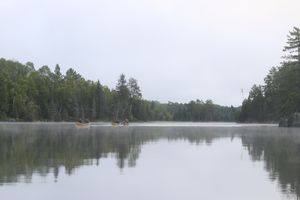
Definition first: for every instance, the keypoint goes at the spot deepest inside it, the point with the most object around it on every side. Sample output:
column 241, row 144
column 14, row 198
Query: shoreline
column 156, row 124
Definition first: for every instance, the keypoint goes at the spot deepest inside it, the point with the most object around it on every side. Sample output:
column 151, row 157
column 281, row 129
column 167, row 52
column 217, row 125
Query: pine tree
column 100, row 104
column 293, row 46
column 123, row 96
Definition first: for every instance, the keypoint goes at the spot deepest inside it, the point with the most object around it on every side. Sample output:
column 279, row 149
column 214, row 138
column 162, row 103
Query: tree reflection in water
column 279, row 148
column 43, row 149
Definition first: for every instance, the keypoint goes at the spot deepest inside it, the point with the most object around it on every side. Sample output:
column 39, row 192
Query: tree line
column 29, row 94
column 279, row 97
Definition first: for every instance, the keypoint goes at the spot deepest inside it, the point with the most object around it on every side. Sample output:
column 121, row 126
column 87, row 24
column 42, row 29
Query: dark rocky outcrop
column 292, row 121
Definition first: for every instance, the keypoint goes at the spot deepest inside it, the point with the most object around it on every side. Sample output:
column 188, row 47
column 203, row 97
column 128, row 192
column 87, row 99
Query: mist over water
column 148, row 161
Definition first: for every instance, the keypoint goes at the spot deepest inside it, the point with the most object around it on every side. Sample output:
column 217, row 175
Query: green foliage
column 280, row 96
column 134, row 89
column 28, row 95
column 293, row 46
column 202, row 111
column 121, row 99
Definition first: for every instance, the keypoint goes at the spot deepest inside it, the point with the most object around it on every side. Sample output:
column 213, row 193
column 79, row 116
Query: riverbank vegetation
column 29, row 94
column 279, row 97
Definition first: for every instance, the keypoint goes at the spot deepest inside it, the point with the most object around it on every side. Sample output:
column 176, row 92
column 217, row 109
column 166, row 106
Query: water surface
column 149, row 161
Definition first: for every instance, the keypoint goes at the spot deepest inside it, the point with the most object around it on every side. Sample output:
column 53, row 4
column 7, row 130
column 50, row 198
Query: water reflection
column 26, row 150
column 280, row 151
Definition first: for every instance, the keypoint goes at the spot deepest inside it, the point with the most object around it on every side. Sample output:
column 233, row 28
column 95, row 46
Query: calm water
column 153, row 161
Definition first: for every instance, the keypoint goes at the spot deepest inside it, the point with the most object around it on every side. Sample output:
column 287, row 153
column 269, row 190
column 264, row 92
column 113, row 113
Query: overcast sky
column 178, row 50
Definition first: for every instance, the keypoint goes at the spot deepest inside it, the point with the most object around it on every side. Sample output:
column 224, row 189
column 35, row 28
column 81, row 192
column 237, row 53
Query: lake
column 149, row 161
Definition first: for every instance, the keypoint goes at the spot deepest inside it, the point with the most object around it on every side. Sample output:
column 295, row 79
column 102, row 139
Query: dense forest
column 29, row 94
column 279, row 97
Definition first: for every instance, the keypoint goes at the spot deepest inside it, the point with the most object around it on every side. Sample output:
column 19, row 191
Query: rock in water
column 283, row 122
column 292, row 121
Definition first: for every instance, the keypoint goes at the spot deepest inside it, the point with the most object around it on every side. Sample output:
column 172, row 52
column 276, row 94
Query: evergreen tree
column 280, row 96
column 293, row 46
column 100, row 104
column 122, row 99
column 27, row 94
